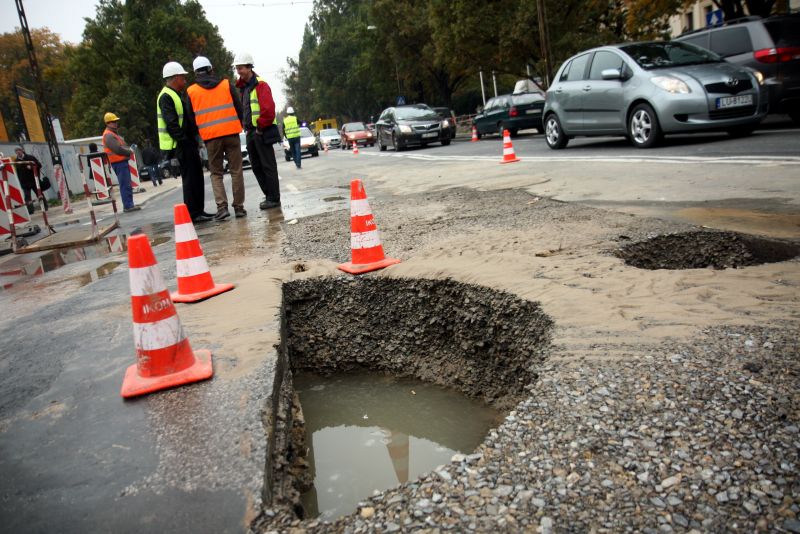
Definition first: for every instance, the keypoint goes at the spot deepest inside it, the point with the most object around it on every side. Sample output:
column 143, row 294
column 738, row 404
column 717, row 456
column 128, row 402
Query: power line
column 262, row 4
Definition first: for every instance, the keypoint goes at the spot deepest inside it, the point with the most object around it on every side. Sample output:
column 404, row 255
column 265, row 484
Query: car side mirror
column 611, row 74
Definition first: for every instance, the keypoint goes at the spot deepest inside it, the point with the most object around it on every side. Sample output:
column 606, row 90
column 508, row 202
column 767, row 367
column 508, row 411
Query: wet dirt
column 698, row 250
column 780, row 225
column 366, row 432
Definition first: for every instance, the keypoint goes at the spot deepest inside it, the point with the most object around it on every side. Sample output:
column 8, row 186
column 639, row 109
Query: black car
column 416, row 124
column 769, row 45
column 510, row 112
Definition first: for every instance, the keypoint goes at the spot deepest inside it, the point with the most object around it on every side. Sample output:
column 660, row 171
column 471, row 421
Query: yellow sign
column 3, row 132
column 30, row 111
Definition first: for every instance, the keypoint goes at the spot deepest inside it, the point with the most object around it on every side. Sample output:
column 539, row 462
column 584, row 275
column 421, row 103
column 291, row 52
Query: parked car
column 645, row 90
column 448, row 116
column 513, row 112
column 415, row 124
column 356, row 132
column 330, row 138
column 308, row 144
column 770, row 45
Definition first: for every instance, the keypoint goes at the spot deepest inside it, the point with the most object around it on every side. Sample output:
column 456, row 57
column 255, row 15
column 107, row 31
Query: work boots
column 222, row 214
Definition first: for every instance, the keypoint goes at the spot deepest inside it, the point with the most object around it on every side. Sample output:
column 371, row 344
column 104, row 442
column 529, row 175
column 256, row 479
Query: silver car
column 646, row 90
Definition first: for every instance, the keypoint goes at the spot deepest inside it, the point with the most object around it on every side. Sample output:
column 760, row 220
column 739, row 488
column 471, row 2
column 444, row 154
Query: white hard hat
column 173, row 68
column 243, row 58
column 290, row 110
column 201, row 62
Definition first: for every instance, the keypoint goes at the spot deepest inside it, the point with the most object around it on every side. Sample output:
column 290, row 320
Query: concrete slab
column 70, row 237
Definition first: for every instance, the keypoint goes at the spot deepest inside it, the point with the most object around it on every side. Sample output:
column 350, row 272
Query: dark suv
column 769, row 45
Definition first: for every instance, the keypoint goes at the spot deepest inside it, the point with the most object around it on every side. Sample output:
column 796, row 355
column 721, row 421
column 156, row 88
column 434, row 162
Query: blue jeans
column 155, row 176
column 294, row 149
column 123, row 173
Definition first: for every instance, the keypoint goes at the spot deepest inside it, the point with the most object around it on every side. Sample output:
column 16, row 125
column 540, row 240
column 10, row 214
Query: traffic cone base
column 200, row 295
column 354, row 268
column 134, row 385
column 508, row 149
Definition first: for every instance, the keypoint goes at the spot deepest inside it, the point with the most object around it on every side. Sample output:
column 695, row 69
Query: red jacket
column 265, row 102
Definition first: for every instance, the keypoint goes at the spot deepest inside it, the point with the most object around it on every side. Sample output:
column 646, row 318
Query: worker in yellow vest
column 292, row 132
column 177, row 137
column 258, row 110
column 119, row 153
column 214, row 104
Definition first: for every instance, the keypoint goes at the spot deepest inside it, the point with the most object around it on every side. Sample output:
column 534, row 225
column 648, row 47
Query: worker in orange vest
column 119, row 153
column 215, row 107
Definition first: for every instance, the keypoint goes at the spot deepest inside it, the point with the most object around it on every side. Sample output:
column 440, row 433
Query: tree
column 119, row 62
column 15, row 69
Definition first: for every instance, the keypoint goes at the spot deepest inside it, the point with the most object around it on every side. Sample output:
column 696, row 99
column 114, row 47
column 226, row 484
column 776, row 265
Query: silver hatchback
column 647, row 90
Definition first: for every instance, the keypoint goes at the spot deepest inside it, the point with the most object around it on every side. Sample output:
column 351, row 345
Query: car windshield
column 355, row 127
column 415, row 113
column 526, row 98
column 329, row 133
column 305, row 132
column 665, row 55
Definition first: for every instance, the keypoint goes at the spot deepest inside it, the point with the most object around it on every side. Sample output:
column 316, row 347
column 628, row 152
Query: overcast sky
column 271, row 30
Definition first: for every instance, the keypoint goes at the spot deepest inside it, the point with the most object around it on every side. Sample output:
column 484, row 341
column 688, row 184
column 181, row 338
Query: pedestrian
column 292, row 132
column 151, row 158
column 177, row 136
column 215, row 107
column 258, row 120
column 25, row 173
column 119, row 153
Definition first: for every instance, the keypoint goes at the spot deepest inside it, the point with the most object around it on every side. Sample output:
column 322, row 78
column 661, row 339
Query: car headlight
column 445, row 124
column 671, row 85
column 759, row 76
column 405, row 129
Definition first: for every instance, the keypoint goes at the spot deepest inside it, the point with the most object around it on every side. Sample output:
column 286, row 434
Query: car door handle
column 587, row 88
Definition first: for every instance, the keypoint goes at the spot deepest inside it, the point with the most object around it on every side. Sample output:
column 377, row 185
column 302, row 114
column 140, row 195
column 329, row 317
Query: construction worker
column 292, row 132
column 119, row 153
column 177, row 136
column 25, row 173
column 215, row 107
column 258, row 120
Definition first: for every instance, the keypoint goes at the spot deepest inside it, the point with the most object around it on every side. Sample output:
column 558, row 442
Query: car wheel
column 553, row 134
column 381, row 146
column 395, row 143
column 513, row 132
column 165, row 173
column 742, row 131
column 643, row 128
column 445, row 142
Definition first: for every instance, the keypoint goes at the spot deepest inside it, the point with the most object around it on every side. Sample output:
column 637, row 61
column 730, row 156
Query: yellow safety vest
column 165, row 140
column 290, row 127
column 255, row 109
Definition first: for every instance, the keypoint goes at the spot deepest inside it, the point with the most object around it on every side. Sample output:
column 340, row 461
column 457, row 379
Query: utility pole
column 494, row 81
column 544, row 40
column 49, row 132
column 483, row 92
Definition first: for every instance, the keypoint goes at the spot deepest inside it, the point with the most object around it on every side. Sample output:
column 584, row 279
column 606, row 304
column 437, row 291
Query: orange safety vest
column 112, row 157
column 214, row 111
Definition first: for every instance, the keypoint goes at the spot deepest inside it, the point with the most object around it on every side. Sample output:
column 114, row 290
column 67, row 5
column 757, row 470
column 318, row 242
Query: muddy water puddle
column 367, row 432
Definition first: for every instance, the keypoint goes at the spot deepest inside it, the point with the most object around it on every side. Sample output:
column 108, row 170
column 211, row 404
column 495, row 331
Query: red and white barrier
column 63, row 194
column 100, row 180
column 134, row 168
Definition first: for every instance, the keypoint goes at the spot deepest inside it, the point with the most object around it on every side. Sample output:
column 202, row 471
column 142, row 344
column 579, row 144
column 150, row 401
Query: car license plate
column 533, row 111
column 734, row 101
column 432, row 134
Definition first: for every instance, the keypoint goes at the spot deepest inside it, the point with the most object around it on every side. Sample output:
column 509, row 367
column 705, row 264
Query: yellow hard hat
column 110, row 117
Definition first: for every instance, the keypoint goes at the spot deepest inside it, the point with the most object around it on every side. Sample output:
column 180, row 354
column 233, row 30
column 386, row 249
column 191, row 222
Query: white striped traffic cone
column 474, row 134
column 194, row 279
column 508, row 149
column 164, row 357
column 365, row 242
column 355, row 147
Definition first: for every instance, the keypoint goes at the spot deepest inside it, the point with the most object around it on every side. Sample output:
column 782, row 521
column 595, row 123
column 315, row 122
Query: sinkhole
column 698, row 250
column 396, row 376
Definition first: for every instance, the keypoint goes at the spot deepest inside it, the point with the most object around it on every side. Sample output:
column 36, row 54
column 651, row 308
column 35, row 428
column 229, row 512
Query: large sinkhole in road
column 408, row 362
column 698, row 250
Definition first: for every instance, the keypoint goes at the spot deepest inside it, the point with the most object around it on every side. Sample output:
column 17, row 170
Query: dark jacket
column 150, row 156
column 25, row 172
column 185, row 136
column 266, row 103
column 209, row 80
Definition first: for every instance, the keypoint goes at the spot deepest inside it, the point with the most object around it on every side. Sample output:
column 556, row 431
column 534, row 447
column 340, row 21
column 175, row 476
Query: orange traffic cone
column 508, row 149
column 355, row 148
column 194, row 279
column 474, row 134
column 164, row 358
column 365, row 243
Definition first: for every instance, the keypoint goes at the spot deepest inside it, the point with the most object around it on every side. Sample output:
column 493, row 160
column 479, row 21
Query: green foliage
column 118, row 64
column 51, row 56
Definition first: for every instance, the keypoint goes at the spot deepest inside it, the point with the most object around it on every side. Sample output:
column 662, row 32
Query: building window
column 689, row 21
